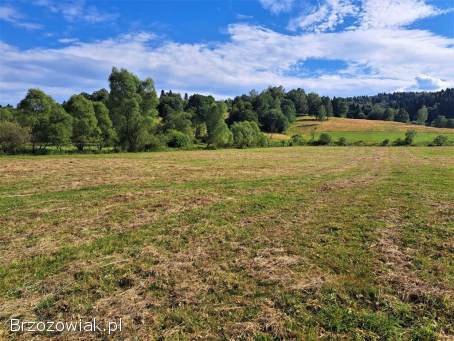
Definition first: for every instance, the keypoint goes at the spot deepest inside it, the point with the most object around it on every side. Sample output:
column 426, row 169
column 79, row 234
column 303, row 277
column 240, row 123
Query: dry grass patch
column 305, row 125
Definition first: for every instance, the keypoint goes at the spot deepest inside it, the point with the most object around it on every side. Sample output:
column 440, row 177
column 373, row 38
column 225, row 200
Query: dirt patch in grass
column 345, row 183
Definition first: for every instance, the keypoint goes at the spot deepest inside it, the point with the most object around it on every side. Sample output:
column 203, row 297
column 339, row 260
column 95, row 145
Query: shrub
column 342, row 141
column 297, row 140
column 399, row 142
column 410, row 136
column 440, row 140
column 12, row 137
column 177, row 139
column 155, row 142
column 385, row 142
column 324, row 139
column 247, row 134
column 359, row 143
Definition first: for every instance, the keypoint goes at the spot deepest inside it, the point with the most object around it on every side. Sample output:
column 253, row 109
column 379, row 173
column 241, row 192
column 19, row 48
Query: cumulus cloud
column 13, row 16
column 254, row 57
column 426, row 82
column 277, row 6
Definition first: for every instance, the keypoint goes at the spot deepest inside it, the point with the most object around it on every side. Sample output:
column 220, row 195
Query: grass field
column 368, row 131
column 264, row 244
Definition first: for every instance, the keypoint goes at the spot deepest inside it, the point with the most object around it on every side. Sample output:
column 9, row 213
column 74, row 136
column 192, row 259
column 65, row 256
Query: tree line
column 428, row 108
column 131, row 117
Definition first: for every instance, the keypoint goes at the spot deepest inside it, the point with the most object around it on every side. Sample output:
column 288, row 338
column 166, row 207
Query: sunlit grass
column 273, row 243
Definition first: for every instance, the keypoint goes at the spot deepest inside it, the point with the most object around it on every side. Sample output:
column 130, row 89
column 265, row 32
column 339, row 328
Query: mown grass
column 279, row 243
column 366, row 131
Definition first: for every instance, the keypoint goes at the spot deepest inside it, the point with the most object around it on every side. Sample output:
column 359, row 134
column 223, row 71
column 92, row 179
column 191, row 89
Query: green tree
column 85, row 125
column 247, row 134
column 389, row 114
column 402, row 116
column 12, row 136
column 288, row 109
column 242, row 111
column 314, row 103
column 340, row 108
column 108, row 135
column 343, row 109
column 440, row 121
column 49, row 123
column 7, row 113
column 376, row 113
column 199, row 106
column 422, row 115
column 299, row 99
column 274, row 121
column 170, row 103
column 218, row 132
column 328, row 106
column 321, row 114
column 132, row 107
column 177, row 120
column 101, row 95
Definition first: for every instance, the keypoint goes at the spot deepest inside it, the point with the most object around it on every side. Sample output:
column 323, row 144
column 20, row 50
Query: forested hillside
column 430, row 108
column 131, row 117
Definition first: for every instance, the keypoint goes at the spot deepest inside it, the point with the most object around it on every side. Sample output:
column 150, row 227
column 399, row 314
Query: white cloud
column 12, row 16
column 277, row 6
column 365, row 14
column 68, row 40
column 326, row 17
column 255, row 57
column 394, row 13
column 425, row 82
column 75, row 10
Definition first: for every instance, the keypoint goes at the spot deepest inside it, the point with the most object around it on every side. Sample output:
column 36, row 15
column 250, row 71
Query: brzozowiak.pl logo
column 80, row 326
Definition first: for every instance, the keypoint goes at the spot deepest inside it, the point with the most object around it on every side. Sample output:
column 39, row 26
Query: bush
column 410, row 136
column 342, row 141
column 385, row 142
column 12, row 137
column 440, row 140
column 359, row 143
column 408, row 140
column 177, row 139
column 399, row 142
column 297, row 140
column 324, row 139
column 247, row 134
column 286, row 143
column 155, row 142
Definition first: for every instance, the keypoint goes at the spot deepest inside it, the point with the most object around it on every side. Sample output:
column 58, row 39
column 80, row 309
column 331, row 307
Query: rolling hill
column 367, row 131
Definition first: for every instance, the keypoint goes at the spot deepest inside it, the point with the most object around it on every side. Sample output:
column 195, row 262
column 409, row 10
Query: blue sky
column 226, row 48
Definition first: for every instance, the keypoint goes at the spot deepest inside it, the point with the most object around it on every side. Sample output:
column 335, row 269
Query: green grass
column 377, row 137
column 368, row 132
column 276, row 243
